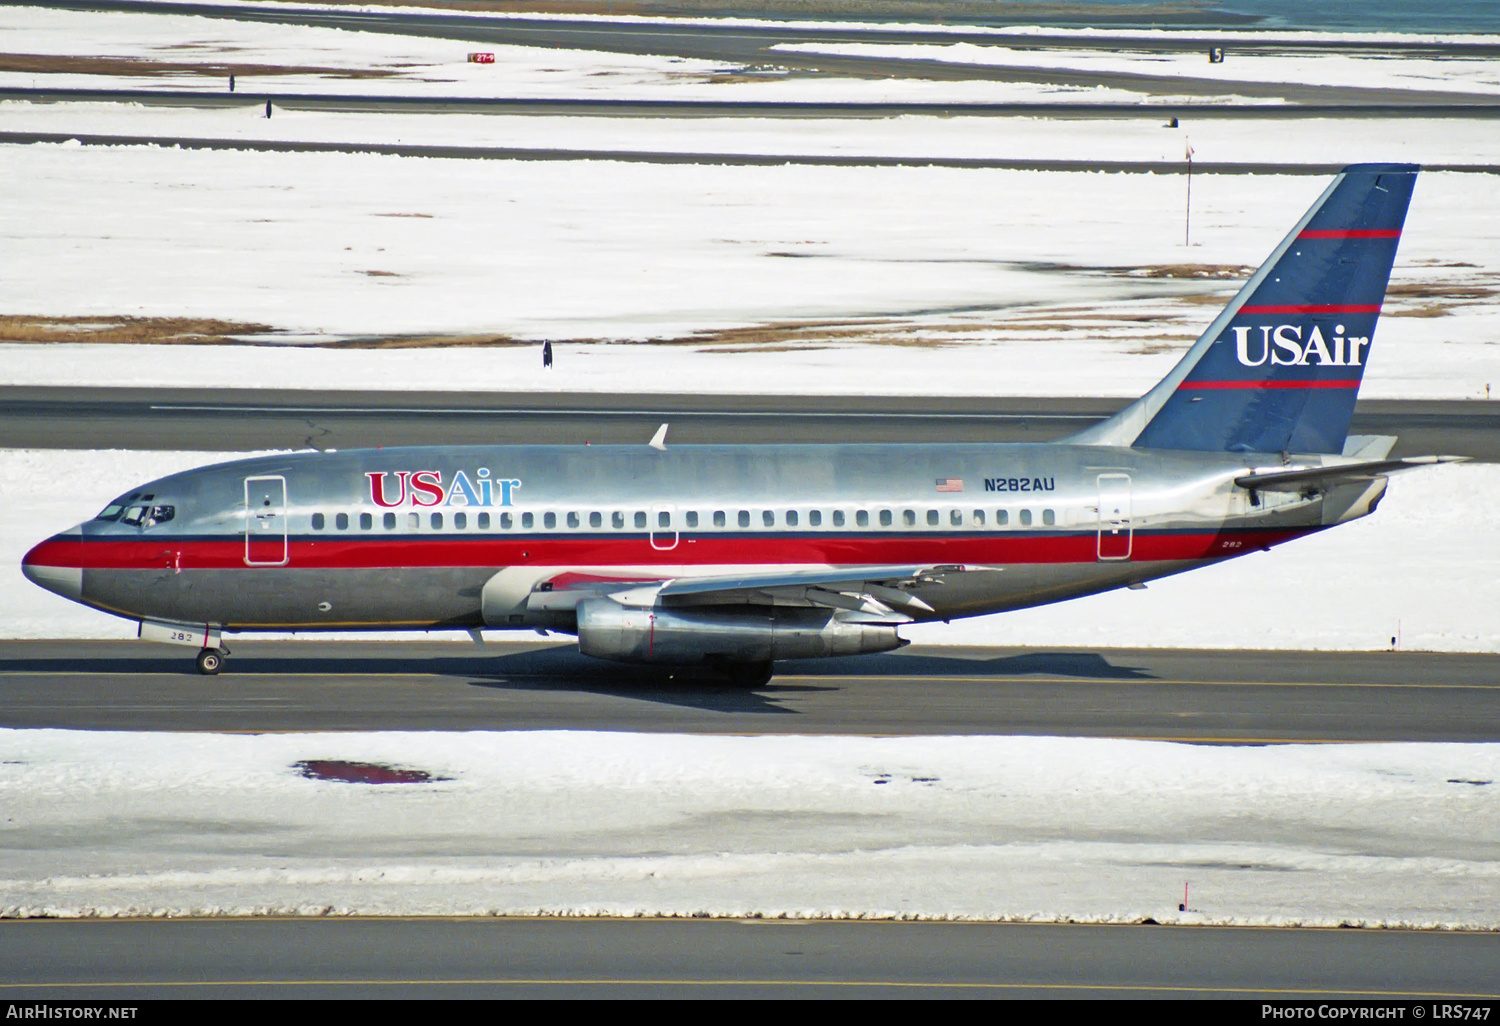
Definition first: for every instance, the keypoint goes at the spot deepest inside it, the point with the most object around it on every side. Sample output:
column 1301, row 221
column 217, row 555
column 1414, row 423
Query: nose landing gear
column 211, row 660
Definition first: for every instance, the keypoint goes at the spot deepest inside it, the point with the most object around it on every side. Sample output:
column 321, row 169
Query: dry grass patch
column 55, row 64
column 183, row 331
column 432, row 342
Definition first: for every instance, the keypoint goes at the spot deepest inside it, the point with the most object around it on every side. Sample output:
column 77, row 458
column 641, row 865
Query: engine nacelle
column 632, row 634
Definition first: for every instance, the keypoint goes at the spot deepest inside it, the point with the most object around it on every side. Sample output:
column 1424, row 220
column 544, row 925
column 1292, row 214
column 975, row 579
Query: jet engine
column 637, row 634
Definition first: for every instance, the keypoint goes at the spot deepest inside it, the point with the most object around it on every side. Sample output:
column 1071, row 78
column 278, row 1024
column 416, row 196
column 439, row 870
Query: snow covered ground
column 570, row 823
column 974, row 282
column 940, row 280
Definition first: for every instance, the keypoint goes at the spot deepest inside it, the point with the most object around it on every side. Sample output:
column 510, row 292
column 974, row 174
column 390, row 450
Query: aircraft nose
column 57, row 564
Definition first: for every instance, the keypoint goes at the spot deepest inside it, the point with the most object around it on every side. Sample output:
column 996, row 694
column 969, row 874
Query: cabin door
column 265, row 521
column 663, row 527
column 1114, row 517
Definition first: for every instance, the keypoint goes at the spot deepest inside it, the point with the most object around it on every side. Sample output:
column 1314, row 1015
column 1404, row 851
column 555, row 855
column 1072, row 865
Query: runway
column 514, row 106
column 444, row 152
column 754, row 46
column 134, row 960
column 247, row 420
column 1199, row 696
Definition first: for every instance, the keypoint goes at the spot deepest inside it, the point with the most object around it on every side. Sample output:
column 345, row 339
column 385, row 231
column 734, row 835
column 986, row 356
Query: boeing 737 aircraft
column 737, row 555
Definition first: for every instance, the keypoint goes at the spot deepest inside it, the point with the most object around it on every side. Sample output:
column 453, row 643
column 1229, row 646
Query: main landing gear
column 211, row 660
column 749, row 675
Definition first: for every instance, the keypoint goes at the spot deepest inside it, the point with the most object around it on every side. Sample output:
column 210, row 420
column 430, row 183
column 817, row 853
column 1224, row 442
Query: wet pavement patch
column 363, row 772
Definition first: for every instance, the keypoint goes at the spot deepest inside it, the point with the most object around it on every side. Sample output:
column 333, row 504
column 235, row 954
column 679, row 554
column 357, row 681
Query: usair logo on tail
column 1284, row 346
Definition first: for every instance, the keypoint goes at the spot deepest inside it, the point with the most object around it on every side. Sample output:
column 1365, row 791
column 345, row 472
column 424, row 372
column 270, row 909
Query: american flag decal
column 950, row 484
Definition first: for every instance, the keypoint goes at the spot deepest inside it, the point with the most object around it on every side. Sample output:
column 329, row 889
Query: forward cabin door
column 1114, row 517
column 265, row 521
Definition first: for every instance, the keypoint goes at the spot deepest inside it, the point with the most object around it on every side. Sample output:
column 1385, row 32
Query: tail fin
column 1279, row 369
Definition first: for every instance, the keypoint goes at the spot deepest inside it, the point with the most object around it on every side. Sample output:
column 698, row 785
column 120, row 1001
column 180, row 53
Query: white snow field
column 578, row 823
column 881, row 280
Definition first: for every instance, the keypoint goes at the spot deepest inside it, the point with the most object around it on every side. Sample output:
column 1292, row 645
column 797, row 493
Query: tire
column 210, row 661
column 750, row 675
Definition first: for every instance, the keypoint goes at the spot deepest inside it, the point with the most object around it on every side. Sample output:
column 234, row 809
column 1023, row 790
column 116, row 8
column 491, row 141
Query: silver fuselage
column 411, row 537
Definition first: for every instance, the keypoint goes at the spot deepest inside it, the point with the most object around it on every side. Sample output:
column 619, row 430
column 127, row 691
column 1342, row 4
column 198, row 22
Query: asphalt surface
column 750, row 47
column 246, row 420
column 143, row 960
column 1180, row 695
column 371, row 103
column 447, row 152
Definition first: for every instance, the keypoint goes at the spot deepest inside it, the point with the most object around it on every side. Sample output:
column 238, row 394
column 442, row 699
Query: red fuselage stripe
column 333, row 553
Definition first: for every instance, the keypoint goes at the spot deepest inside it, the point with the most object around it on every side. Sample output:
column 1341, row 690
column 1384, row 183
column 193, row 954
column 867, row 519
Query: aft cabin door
column 265, row 521
column 663, row 527
column 1114, row 517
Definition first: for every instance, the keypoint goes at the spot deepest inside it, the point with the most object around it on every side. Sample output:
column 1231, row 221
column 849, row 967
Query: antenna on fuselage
column 659, row 440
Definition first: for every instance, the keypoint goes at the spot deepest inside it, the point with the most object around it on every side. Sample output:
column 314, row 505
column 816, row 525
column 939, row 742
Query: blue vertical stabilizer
column 1280, row 367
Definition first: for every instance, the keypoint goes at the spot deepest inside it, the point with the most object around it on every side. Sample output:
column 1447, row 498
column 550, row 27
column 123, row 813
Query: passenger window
column 617, row 520
column 1002, row 517
column 768, row 518
column 956, row 517
column 885, row 518
column 483, row 523
column 932, row 518
column 718, row 518
column 460, row 521
column 549, row 521
column 341, row 521
column 1025, row 518
column 838, row 518
column 366, row 521
column 862, row 518
column 814, row 518
column 1048, row 517
column 317, row 521
column 692, row 518
column 414, row 520
column 437, row 521
column 596, row 520
column 528, row 521
column 979, row 517
column 640, row 520
column 390, row 521
column 573, row 520
column 791, row 518
column 663, row 518
column 744, row 518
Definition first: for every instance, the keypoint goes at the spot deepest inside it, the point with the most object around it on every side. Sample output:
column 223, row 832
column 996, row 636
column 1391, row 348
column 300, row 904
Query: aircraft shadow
column 968, row 663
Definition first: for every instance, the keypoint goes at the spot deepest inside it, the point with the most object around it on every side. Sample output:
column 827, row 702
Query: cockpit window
column 160, row 515
column 124, row 505
column 133, row 515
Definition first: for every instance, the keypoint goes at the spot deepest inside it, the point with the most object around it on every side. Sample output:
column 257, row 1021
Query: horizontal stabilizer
column 1296, row 480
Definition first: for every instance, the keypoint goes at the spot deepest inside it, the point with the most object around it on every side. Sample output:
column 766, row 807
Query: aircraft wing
column 874, row 594
column 1296, row 480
